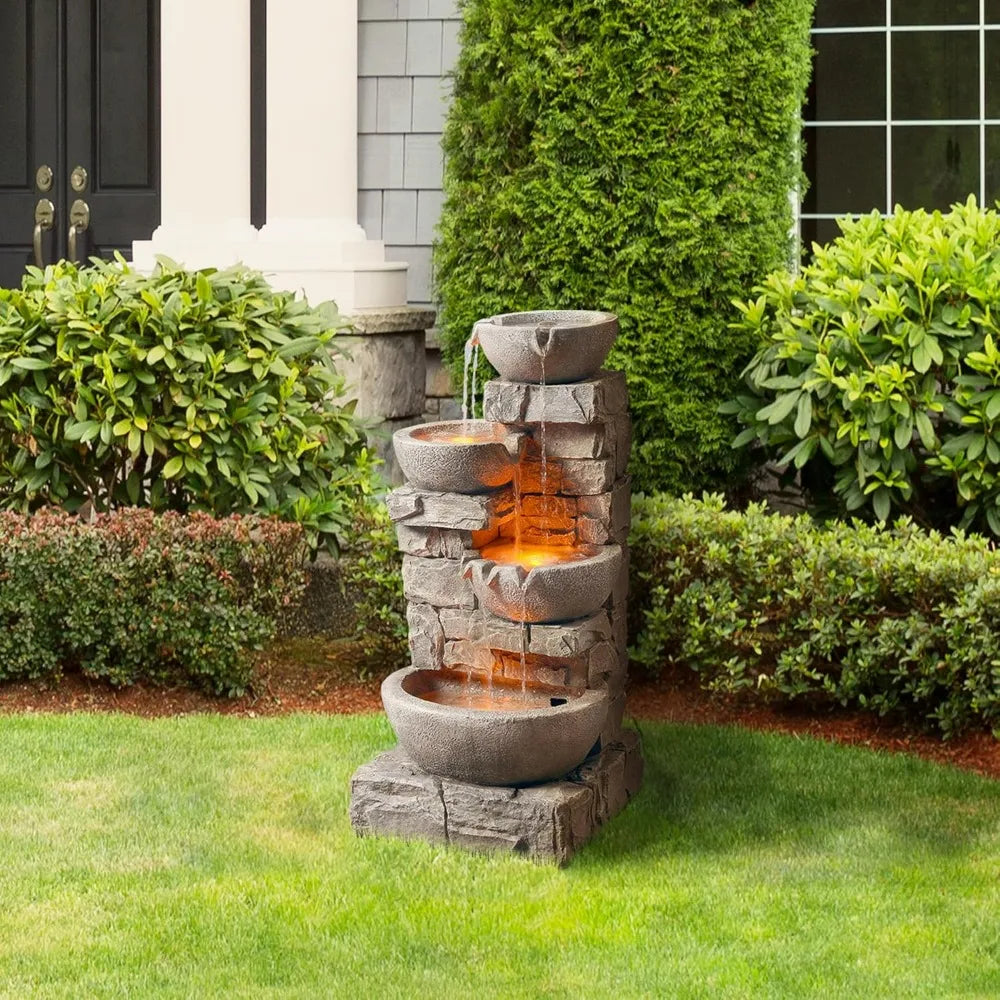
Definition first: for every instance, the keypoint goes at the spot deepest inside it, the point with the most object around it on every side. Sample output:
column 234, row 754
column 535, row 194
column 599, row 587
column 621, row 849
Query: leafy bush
column 635, row 157
column 177, row 391
column 371, row 567
column 887, row 619
column 879, row 370
column 135, row 596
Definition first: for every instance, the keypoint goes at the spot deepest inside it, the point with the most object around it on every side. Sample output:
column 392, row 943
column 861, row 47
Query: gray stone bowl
column 432, row 463
column 546, row 594
column 554, row 347
column 491, row 747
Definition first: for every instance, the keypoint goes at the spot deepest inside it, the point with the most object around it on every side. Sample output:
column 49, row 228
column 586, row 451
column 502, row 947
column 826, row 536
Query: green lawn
column 212, row 857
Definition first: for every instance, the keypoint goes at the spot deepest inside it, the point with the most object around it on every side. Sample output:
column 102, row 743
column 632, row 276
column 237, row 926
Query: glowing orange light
column 530, row 556
column 456, row 437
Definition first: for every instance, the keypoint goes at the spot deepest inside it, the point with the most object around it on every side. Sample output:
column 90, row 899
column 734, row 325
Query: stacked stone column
column 581, row 497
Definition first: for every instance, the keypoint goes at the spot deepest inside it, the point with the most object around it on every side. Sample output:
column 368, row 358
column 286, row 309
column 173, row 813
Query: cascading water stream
column 471, row 359
column 543, row 472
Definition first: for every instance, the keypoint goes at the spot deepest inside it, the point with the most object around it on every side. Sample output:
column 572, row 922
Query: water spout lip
column 541, row 341
column 513, row 441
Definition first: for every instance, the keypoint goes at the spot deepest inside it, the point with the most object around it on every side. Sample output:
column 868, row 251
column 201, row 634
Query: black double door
column 79, row 129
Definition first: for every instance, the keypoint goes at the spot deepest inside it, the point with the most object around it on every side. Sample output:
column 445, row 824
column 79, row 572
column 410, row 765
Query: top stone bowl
column 550, row 347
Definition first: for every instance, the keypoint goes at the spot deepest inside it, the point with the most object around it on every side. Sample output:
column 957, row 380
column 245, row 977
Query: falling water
column 543, row 471
column 524, row 636
column 471, row 359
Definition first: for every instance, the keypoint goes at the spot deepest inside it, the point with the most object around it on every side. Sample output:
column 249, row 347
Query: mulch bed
column 318, row 676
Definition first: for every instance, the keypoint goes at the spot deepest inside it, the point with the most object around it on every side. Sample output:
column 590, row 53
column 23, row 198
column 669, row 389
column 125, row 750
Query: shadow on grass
column 721, row 789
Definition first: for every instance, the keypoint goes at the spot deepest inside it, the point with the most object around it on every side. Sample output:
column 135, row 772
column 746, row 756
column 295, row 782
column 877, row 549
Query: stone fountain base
column 547, row 822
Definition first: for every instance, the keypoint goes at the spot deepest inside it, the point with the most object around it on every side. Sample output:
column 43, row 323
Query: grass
column 212, row 857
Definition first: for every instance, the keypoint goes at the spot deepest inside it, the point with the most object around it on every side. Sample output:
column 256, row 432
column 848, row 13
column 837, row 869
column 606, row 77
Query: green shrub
column 136, row 596
column 635, row 157
column 886, row 619
column 878, row 373
column 178, row 391
column 371, row 569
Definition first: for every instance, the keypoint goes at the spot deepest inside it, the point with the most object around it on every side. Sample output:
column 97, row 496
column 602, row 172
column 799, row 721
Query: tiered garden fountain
column 514, row 531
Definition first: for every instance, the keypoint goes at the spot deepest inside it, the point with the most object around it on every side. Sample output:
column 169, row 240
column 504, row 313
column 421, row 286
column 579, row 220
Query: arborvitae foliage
column 635, row 156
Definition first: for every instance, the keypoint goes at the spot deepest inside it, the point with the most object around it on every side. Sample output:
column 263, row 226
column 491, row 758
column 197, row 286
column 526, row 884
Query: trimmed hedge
column 178, row 390
column 885, row 619
column 135, row 596
column 877, row 377
column 635, row 157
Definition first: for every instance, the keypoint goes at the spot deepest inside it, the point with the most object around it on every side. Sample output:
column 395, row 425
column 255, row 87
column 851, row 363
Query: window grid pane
column 904, row 107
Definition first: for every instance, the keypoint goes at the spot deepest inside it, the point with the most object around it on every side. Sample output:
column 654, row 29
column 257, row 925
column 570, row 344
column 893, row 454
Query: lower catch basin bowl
column 456, row 456
column 456, row 727
column 552, row 347
column 538, row 584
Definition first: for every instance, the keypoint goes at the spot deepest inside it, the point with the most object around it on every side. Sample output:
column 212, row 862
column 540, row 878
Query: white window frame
column 889, row 30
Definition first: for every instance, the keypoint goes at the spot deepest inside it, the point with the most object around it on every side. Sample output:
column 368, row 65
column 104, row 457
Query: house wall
column 406, row 48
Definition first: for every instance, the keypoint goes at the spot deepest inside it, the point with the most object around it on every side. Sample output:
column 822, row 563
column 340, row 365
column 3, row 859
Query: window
column 904, row 107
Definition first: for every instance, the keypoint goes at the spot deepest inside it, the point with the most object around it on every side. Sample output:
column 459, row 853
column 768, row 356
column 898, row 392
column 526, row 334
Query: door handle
column 45, row 213
column 79, row 220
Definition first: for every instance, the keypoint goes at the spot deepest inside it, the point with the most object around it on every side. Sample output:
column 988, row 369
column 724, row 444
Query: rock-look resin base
column 518, row 586
column 548, row 822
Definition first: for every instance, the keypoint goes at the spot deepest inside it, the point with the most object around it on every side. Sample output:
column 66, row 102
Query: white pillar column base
column 355, row 288
column 196, row 247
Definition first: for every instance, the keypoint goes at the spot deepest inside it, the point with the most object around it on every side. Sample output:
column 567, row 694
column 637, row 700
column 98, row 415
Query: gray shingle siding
column 406, row 48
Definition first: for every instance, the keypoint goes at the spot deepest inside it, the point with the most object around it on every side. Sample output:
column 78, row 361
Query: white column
column 312, row 241
column 204, row 135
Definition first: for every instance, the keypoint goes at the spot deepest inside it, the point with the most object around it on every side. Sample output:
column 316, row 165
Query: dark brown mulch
column 676, row 697
column 302, row 675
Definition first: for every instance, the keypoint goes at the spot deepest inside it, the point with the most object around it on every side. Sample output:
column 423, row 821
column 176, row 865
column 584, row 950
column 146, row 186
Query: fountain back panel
column 484, row 576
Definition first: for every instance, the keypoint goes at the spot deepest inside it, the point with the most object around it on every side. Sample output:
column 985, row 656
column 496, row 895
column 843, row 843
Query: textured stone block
column 613, row 724
column 385, row 373
column 543, row 822
column 604, row 667
column 619, row 630
column 585, row 476
column 468, row 654
column 441, row 543
column 535, row 478
column 592, row 401
column 570, row 638
column 426, row 636
column 392, row 796
column 547, row 822
column 606, row 517
column 623, row 443
column 568, row 441
column 422, row 508
column 478, row 626
column 436, row 581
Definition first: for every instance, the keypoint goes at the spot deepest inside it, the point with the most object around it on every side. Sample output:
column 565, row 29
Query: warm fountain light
column 458, row 433
column 527, row 555
column 458, row 687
